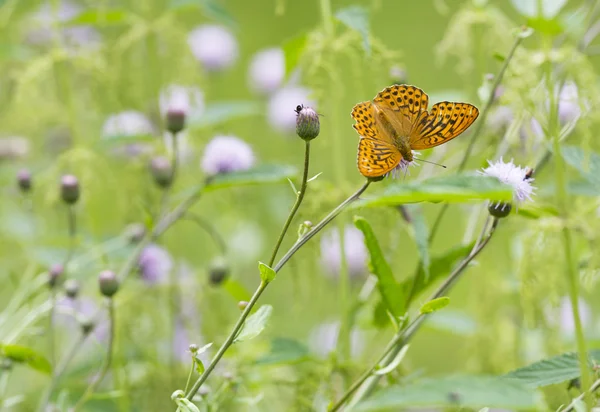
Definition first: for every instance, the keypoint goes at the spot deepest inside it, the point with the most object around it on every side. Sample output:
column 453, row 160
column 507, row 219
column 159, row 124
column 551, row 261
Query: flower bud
column 193, row 348
column 72, row 288
column 108, row 282
column 175, row 120
column 161, row 170
column 69, row 189
column 87, row 325
column 54, row 275
column 219, row 271
column 135, row 232
column 307, row 123
column 24, row 180
column 499, row 209
column 242, row 304
column 398, row 75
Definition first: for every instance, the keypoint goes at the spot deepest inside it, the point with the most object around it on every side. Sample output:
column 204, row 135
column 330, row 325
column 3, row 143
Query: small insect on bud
column 161, row 170
column 54, row 275
column 108, row 282
column 242, row 304
column 72, row 288
column 219, row 271
column 69, row 189
column 499, row 209
column 24, row 180
column 175, row 120
column 307, row 122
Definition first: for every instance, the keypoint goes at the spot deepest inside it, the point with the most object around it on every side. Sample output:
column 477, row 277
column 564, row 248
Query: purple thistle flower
column 568, row 103
column 224, row 154
column 355, row 252
column 154, row 264
column 188, row 100
column 214, row 46
column 514, row 176
column 282, row 105
column 267, row 71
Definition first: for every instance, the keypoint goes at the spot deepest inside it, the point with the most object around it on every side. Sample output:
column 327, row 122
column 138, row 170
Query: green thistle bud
column 193, row 348
column 307, row 123
column 55, row 274
column 72, row 288
column 499, row 209
column 108, row 282
column 161, row 170
column 69, row 189
column 175, row 120
column 87, row 326
column 219, row 271
column 24, row 180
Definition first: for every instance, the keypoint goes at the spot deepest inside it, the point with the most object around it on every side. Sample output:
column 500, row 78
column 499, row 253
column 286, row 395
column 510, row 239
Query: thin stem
column 299, row 198
column 326, row 16
column 263, row 285
column 402, row 337
column 72, row 224
column 108, row 361
column 572, row 405
column 189, row 379
column 209, row 228
column 480, row 125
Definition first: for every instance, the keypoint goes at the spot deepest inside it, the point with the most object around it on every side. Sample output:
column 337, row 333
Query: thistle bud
column 69, row 189
column 218, row 272
column 398, row 74
column 87, row 325
column 109, row 285
column 135, row 232
column 161, row 170
column 193, row 348
column 499, row 209
column 307, row 123
column 54, row 275
column 175, row 120
column 242, row 304
column 72, row 288
column 24, row 180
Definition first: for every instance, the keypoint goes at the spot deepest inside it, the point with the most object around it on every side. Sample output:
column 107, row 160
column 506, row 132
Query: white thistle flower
column 514, row 176
column 214, row 46
column 267, row 70
column 225, row 154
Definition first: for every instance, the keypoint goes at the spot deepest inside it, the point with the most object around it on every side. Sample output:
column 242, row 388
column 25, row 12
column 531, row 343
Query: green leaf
column 536, row 8
column 545, row 26
column 99, row 17
column 587, row 163
column 440, row 267
column 186, row 405
column 24, row 354
column 420, row 233
column 267, row 274
column 456, row 188
column 262, row 174
column 222, row 112
column 293, row 50
column 211, row 8
column 285, row 351
column 550, row 371
column 356, row 18
column 452, row 391
column 236, row 290
column 435, row 305
column 255, row 324
column 203, row 349
column 391, row 292
column 199, row 365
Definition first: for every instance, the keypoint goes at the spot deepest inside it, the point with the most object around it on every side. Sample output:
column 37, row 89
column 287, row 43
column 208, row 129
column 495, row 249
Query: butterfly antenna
column 433, row 163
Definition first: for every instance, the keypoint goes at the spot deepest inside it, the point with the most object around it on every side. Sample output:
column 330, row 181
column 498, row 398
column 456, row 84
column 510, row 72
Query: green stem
column 368, row 379
column 107, row 363
column 327, row 16
column 263, row 285
column 573, row 404
column 299, row 198
column 480, row 125
column 189, row 379
column 208, row 228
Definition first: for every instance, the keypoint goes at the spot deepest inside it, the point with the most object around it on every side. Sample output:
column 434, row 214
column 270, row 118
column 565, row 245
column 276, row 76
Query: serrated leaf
column 186, row 405
column 255, row 324
column 395, row 363
column 26, row 355
column 391, row 292
column 99, row 17
column 292, row 52
column 556, row 369
column 284, row 351
column 221, row 112
column 267, row 274
column 452, row 391
column 587, row 163
column 420, row 233
column 262, row 174
column 435, row 305
column 456, row 188
column 356, row 18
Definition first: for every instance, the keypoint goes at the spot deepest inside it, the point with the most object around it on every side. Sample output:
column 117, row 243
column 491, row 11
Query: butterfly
column 396, row 122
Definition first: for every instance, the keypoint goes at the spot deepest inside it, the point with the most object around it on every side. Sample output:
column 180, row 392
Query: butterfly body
column 396, row 122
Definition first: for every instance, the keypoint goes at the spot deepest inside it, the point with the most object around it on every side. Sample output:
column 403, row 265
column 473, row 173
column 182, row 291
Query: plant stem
column 263, row 285
column 326, row 16
column 401, row 338
column 189, row 379
column 108, row 361
column 480, row 125
column 208, row 228
column 299, row 198
column 572, row 405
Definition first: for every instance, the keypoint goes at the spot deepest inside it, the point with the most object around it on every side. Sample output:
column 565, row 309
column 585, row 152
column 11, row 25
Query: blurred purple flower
column 154, row 264
column 14, row 147
column 129, row 123
column 267, row 70
column 282, row 104
column 225, row 154
column 565, row 316
column 323, row 339
column 500, row 119
column 69, row 312
column 73, row 37
column 189, row 100
column 568, row 103
column 354, row 250
column 214, row 46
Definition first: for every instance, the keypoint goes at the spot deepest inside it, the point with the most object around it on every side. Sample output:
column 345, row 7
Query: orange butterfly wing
column 403, row 105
